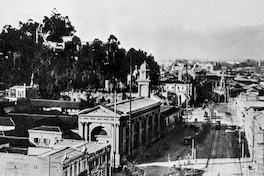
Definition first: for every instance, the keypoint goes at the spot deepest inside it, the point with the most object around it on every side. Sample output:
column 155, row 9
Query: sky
column 150, row 25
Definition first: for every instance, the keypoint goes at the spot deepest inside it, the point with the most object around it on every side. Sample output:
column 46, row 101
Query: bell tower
column 143, row 81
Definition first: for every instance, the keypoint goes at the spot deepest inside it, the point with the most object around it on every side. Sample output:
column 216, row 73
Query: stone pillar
column 90, row 135
column 124, row 139
column 72, row 169
column 88, row 166
column 106, row 163
column 77, row 167
column 132, row 134
column 140, row 132
column 158, row 114
column 153, row 126
column 147, row 127
column 86, row 130
column 80, row 127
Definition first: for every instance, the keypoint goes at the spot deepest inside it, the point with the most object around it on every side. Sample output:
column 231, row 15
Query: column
column 88, row 167
column 90, row 134
column 86, row 129
column 117, row 146
column 124, row 139
column 153, row 126
column 158, row 114
column 72, row 168
column 132, row 134
column 140, row 132
column 106, row 163
column 77, row 167
column 80, row 127
column 147, row 128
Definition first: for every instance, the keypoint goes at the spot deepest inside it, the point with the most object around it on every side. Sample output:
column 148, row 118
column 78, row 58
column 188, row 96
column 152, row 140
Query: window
column 84, row 165
column 36, row 140
column 46, row 141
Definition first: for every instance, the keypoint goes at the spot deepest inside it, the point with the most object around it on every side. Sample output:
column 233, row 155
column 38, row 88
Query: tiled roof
column 6, row 121
column 47, row 128
column 123, row 107
column 54, row 103
column 72, row 149
column 136, row 105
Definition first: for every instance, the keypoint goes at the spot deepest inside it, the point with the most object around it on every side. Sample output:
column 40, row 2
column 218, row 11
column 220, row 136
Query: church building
column 125, row 131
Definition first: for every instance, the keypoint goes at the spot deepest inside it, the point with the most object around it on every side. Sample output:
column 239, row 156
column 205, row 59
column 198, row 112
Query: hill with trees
column 53, row 56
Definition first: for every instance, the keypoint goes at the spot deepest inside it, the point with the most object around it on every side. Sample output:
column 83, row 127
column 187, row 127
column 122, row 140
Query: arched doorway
column 100, row 134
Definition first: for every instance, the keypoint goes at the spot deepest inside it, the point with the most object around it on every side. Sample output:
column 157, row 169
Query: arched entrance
column 100, row 134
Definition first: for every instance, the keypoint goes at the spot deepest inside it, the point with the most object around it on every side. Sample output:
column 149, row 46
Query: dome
column 144, row 66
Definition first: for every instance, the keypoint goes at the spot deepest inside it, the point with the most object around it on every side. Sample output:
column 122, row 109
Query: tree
column 26, row 53
column 57, row 26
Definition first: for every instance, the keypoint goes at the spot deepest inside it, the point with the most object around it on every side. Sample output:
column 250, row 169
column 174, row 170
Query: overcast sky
column 131, row 21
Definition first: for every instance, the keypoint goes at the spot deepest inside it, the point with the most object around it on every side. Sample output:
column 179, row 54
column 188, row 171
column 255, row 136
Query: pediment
column 102, row 112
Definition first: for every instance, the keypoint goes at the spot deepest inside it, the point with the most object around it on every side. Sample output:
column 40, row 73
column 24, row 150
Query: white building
column 45, row 136
column 182, row 90
column 19, row 92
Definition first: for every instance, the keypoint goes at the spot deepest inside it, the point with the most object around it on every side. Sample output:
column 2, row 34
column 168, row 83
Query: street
column 219, row 153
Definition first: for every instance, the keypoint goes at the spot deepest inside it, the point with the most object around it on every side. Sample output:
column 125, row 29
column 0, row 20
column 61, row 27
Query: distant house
column 66, row 107
column 21, row 92
column 75, row 96
column 182, row 90
column 170, row 115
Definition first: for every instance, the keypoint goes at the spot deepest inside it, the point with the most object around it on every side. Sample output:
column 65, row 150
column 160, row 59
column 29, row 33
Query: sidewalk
column 216, row 167
column 200, row 164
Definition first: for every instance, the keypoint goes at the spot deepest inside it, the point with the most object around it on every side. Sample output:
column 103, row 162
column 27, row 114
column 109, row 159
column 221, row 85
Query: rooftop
column 6, row 121
column 72, row 148
column 136, row 105
column 54, row 103
column 47, row 128
column 123, row 107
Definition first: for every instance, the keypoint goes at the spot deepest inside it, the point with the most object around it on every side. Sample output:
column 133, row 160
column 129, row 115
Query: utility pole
column 114, row 145
column 130, row 105
column 186, row 82
column 193, row 155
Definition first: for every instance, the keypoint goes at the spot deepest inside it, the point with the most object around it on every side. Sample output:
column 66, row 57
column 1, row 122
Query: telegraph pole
column 186, row 82
column 130, row 105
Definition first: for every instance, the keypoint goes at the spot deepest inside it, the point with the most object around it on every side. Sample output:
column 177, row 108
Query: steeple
column 143, row 81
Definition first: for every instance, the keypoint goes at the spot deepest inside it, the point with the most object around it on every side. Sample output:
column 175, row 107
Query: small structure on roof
column 45, row 136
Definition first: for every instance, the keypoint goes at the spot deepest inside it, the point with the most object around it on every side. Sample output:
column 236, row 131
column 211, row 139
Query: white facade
column 17, row 92
column 183, row 91
column 44, row 138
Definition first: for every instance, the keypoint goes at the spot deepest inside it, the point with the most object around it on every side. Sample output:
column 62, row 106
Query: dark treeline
column 27, row 52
